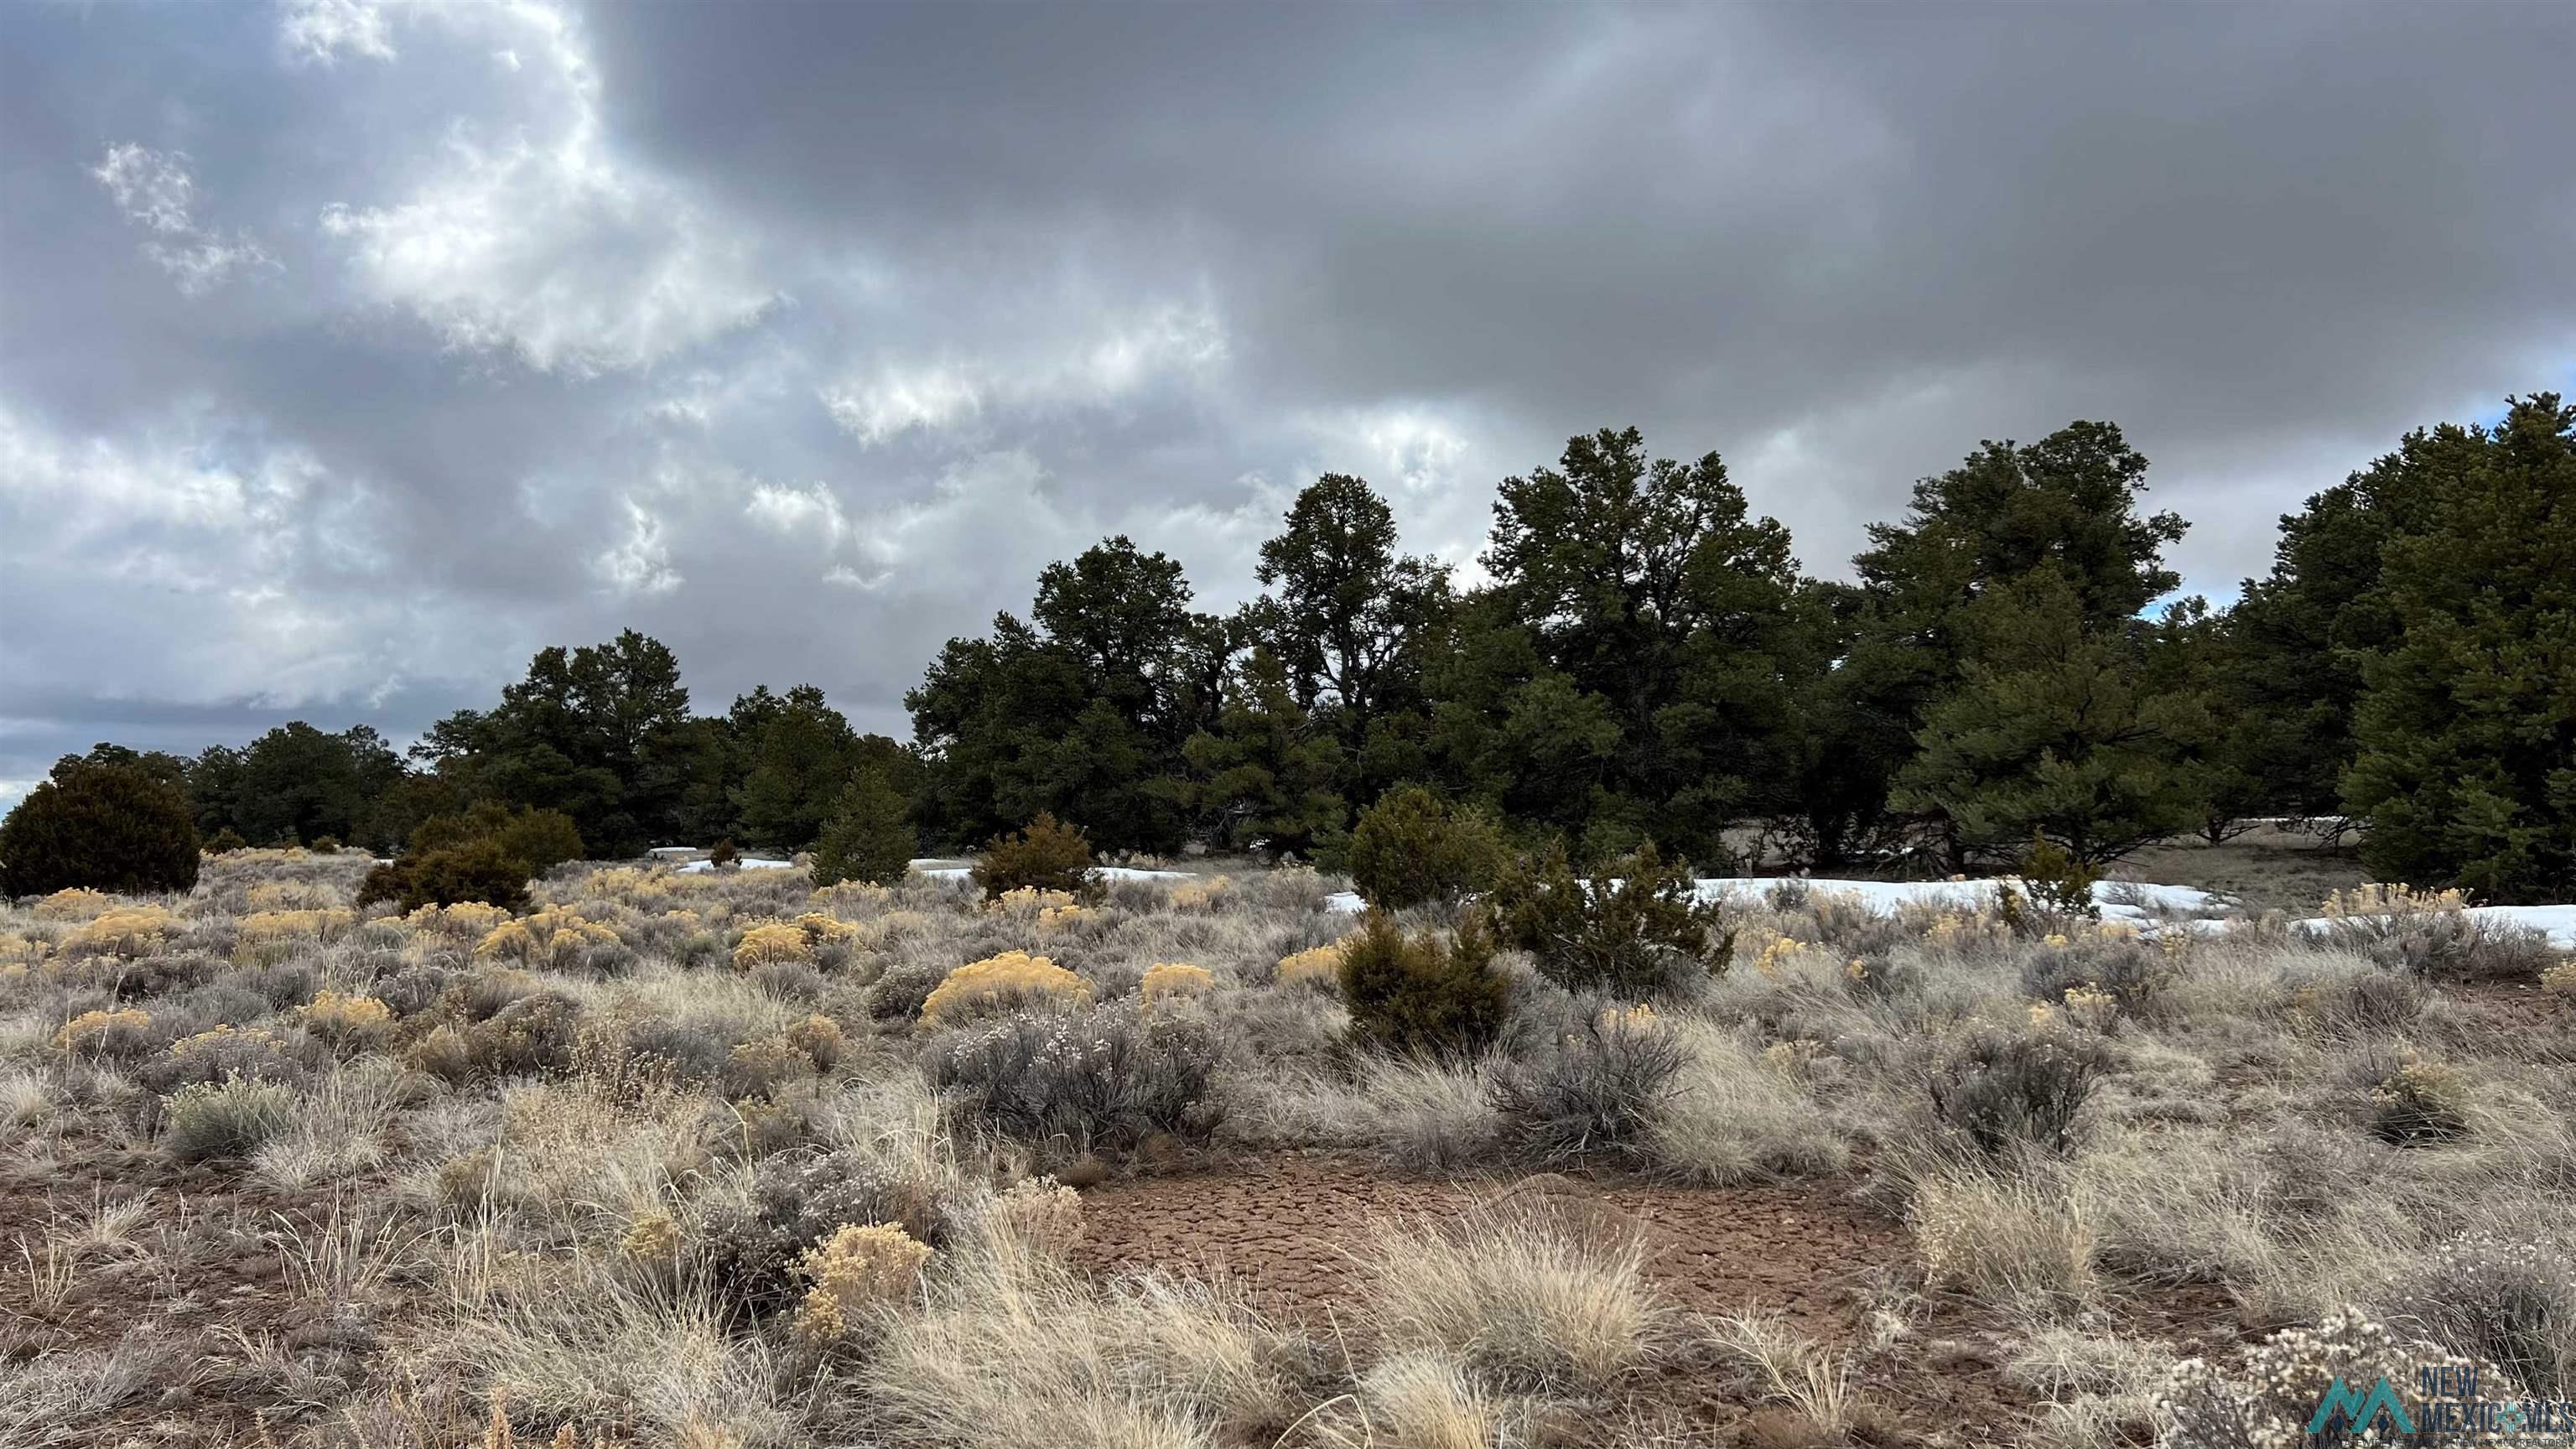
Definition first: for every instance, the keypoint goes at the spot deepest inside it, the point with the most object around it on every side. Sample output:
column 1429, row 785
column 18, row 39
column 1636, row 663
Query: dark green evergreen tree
column 109, row 821
column 869, row 836
column 1264, row 777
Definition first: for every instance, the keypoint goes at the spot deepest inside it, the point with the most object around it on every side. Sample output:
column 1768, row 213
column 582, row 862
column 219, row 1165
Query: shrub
column 2275, row 1391
column 867, row 837
column 1085, row 1082
column 2421, row 1102
column 724, row 856
column 798, row 1200
column 766, row 945
column 129, row 931
column 230, row 1118
column 2057, row 880
column 122, row 1033
column 480, row 872
column 1410, row 848
column 2131, row 970
column 2432, row 935
column 2508, row 1300
column 101, row 826
column 1316, row 966
column 226, row 841
column 1600, row 1087
column 1000, row 983
column 858, row 1270
column 1636, row 930
column 900, row 993
column 539, row 840
column 1422, row 995
column 2003, row 1090
column 1048, row 856
column 1175, row 981
column 345, row 1019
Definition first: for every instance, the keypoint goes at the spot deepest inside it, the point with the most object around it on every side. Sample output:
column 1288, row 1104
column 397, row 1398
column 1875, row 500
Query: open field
column 722, row 1160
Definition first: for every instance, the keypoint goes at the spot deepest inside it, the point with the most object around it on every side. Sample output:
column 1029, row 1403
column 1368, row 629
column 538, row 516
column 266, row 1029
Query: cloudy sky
column 351, row 351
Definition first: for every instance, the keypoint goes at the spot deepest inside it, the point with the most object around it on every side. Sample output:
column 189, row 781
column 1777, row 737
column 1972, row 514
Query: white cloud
column 318, row 30
column 1096, row 367
column 639, row 563
column 546, row 242
column 156, row 193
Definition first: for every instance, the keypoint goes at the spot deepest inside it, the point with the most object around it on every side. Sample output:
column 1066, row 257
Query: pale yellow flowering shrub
column 856, row 1271
column 635, row 884
column 1201, row 895
column 852, row 895
column 508, row 941
column 464, row 921
column 2092, row 1009
column 1778, row 955
column 2558, row 980
column 1316, row 968
column 772, row 943
column 73, row 903
column 89, row 1031
column 2379, row 899
column 292, row 895
column 126, row 931
column 818, row 1037
column 653, row 1239
column 1029, row 901
column 343, row 1017
column 1176, row 981
column 1010, row 977
column 1064, row 918
column 215, row 1037
column 820, row 928
column 275, row 928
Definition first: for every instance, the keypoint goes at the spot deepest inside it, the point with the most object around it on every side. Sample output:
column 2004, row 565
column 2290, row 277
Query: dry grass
column 545, row 1177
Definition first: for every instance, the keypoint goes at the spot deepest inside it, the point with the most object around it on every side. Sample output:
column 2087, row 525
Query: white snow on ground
column 933, row 870
column 2119, row 900
column 2558, row 921
column 748, row 862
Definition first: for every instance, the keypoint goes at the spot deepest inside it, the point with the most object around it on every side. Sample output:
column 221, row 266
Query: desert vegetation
column 728, row 1158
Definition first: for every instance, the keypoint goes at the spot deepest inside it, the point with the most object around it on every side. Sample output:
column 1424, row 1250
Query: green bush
column 486, row 854
column 1048, row 856
column 230, row 1118
column 1411, row 848
column 1420, row 994
column 867, row 838
column 2056, row 880
column 478, row 870
column 226, row 841
column 1636, row 930
column 103, row 826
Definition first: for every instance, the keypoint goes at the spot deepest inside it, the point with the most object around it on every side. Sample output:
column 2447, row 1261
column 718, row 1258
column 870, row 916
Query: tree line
column 1642, row 659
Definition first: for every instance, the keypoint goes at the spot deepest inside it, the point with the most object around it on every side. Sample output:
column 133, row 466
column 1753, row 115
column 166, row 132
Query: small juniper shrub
column 2420, row 1103
column 1412, row 849
column 1076, row 1081
column 226, row 841
column 2432, row 935
column 1420, row 994
column 1047, row 856
column 2003, row 1091
column 1597, row 1084
column 2056, row 880
column 1636, row 930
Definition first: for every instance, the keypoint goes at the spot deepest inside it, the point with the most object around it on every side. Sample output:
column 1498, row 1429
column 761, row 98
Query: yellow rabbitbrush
column 1007, row 979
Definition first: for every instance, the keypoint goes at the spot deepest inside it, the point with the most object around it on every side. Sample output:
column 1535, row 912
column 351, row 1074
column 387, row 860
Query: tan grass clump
column 2560, row 980
column 1201, row 895
column 2008, row 1238
column 856, row 1272
column 1008, row 979
column 292, row 895
column 772, row 944
column 1176, row 981
column 1527, row 1299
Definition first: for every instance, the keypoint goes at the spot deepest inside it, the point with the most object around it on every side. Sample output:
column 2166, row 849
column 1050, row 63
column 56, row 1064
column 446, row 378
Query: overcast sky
column 350, row 352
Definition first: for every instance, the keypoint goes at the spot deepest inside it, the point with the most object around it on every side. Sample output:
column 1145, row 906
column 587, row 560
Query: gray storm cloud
column 351, row 351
